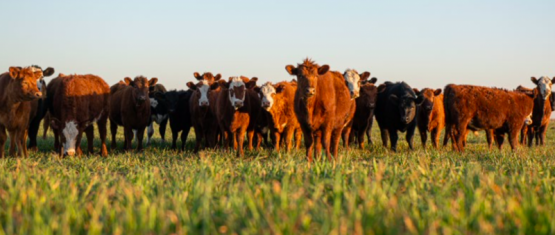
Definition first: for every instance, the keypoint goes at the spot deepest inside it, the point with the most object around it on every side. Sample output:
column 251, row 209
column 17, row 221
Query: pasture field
column 375, row 191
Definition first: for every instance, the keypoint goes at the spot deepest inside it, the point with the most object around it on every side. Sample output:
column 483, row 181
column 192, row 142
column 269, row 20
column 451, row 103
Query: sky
column 424, row 43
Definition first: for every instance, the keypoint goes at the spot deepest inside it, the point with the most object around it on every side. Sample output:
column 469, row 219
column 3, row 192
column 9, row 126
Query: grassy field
column 159, row 191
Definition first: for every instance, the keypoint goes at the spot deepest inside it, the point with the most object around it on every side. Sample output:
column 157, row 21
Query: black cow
column 364, row 113
column 396, row 111
column 158, row 111
column 38, row 108
column 180, row 115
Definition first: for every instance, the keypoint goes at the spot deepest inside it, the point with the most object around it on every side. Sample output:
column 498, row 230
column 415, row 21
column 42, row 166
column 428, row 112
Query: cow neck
column 10, row 100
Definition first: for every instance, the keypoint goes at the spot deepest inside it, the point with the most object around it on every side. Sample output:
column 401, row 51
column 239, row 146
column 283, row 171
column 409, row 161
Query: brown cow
column 353, row 80
column 364, row 113
column 486, row 108
column 278, row 101
column 130, row 108
column 79, row 101
column 323, row 106
column 18, row 88
column 235, row 111
column 202, row 118
column 541, row 113
column 430, row 115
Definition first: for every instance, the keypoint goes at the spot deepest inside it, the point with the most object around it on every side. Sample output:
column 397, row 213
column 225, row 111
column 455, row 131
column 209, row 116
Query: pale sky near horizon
column 425, row 43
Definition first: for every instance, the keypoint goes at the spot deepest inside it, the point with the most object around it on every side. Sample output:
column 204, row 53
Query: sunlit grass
column 375, row 191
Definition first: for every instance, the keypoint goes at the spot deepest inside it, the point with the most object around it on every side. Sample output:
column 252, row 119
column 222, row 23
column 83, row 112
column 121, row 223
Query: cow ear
column 291, row 69
column 197, row 76
column 393, row 99
column 534, row 80
column 152, row 81
column 223, row 83
column 128, row 81
column 553, row 80
column 280, row 88
column 295, row 80
column 437, row 92
column 373, row 80
column 252, row 83
column 419, row 100
column 191, row 85
column 381, row 88
column 416, row 91
column 364, row 76
column 257, row 89
column 48, row 72
column 323, row 69
column 214, row 86
column 217, row 77
column 14, row 72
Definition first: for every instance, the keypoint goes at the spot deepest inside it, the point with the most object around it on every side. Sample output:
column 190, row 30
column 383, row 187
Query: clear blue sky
column 425, row 43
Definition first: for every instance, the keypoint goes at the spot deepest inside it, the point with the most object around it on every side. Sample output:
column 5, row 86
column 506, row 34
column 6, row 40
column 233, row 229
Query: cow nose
column 310, row 91
column 38, row 94
column 142, row 98
column 354, row 95
column 203, row 103
column 70, row 152
column 265, row 104
column 238, row 104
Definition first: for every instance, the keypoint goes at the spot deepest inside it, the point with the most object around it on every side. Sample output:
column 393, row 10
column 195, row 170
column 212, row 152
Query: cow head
column 406, row 105
column 70, row 130
column 140, row 87
column 207, row 77
column 427, row 96
column 41, row 83
column 202, row 89
column 237, row 89
column 24, row 82
column 267, row 93
column 307, row 75
column 544, row 85
column 368, row 94
column 353, row 81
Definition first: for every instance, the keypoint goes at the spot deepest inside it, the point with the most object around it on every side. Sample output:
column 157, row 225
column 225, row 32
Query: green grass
column 374, row 191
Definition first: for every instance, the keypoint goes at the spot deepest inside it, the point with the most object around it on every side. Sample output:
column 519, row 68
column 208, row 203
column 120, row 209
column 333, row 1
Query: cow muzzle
column 141, row 98
column 310, row 92
column 355, row 95
column 203, row 104
column 266, row 105
column 238, row 104
column 69, row 152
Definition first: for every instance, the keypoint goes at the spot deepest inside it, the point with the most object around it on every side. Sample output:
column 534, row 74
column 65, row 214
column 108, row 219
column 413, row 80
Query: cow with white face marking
column 237, row 110
column 201, row 116
column 159, row 111
column 77, row 103
column 541, row 113
column 353, row 80
column 544, row 85
column 38, row 107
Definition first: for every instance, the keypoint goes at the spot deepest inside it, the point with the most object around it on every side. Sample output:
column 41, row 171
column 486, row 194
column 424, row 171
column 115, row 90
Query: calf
column 130, row 108
column 18, row 88
column 353, row 80
column 202, row 118
column 396, row 111
column 78, row 102
column 541, row 113
column 485, row 108
column 364, row 113
column 235, row 111
column 430, row 115
column 159, row 111
column 323, row 106
column 278, row 100
column 180, row 116
column 38, row 108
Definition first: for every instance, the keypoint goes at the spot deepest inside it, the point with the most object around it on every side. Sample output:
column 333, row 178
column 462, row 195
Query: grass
column 159, row 191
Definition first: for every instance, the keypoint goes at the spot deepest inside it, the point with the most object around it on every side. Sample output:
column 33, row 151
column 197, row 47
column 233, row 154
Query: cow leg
column 78, row 150
column 523, row 134
column 162, row 129
column 530, row 136
column 198, row 139
column 240, row 139
column 185, row 134
column 335, row 137
column 3, row 138
column 393, row 137
column 277, row 140
column 318, row 142
column 447, row 135
column 513, row 137
column 423, row 137
column 101, row 124
column 13, row 142
column 345, row 136
column 33, row 131
column 140, row 134
column 150, row 132
column 360, row 139
column 500, row 138
column 369, row 132
column 309, row 144
column 175, row 134
column 385, row 135
column 45, row 125
column 128, row 133
column 543, row 131
column 57, row 146
column 114, row 131
column 89, row 131
column 434, row 135
column 538, row 134
column 261, row 136
column 489, row 138
column 460, row 135
column 250, row 136
column 410, row 135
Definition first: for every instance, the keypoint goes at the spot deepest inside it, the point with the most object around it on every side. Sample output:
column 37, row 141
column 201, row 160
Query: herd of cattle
column 321, row 105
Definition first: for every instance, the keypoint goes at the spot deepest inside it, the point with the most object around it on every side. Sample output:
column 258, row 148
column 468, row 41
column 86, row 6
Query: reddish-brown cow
column 202, row 118
column 18, row 88
column 130, row 108
column 485, row 108
column 323, row 106
column 79, row 101
column 235, row 111
column 278, row 101
column 430, row 115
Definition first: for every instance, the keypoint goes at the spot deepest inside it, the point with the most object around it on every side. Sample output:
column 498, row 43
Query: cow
column 235, row 111
column 486, row 108
column 430, row 115
column 364, row 113
column 180, row 116
column 353, row 81
column 396, row 111
column 130, row 108
column 202, row 118
column 158, row 111
column 541, row 113
column 278, row 100
column 38, row 108
column 323, row 106
column 18, row 87
column 79, row 101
